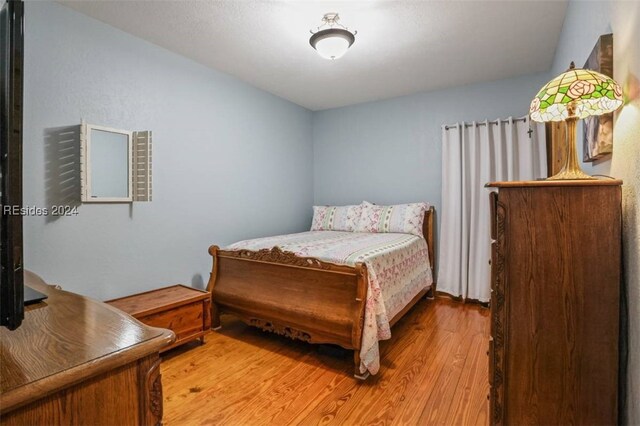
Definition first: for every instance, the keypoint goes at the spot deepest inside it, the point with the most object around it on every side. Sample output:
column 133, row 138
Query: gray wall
column 230, row 161
column 390, row 151
column 585, row 22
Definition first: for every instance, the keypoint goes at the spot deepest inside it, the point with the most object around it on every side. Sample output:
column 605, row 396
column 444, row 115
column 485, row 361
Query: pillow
column 336, row 218
column 402, row 218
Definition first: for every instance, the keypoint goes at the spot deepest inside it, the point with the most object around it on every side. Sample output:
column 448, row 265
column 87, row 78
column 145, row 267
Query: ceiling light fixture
column 333, row 41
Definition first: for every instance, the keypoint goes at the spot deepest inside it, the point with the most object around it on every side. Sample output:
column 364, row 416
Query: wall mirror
column 115, row 165
column 108, row 160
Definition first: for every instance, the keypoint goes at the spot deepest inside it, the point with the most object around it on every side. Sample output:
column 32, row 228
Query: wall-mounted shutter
column 142, row 182
column 84, row 196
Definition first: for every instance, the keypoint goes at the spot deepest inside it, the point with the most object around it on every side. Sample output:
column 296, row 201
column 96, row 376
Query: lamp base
column 571, row 175
column 571, row 169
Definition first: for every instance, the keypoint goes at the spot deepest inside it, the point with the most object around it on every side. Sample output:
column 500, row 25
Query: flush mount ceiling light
column 333, row 41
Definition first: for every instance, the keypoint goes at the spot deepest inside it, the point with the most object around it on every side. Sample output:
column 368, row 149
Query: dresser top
column 547, row 183
column 66, row 339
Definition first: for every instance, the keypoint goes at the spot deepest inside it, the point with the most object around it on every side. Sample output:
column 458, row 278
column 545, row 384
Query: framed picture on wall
column 598, row 130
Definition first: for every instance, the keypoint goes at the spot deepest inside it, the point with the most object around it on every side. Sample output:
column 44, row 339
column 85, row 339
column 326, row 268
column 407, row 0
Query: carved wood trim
column 498, row 318
column 279, row 329
column 312, row 336
column 281, row 257
column 154, row 392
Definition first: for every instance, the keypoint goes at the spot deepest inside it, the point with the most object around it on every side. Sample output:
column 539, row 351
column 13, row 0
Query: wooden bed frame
column 299, row 297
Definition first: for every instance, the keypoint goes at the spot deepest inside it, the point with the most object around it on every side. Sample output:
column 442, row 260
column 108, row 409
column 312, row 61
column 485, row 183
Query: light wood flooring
column 433, row 372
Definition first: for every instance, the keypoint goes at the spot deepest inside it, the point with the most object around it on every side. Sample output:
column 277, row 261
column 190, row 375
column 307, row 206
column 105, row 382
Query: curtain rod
column 484, row 123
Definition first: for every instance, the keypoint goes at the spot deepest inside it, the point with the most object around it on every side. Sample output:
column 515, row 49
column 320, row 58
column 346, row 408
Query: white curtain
column 472, row 155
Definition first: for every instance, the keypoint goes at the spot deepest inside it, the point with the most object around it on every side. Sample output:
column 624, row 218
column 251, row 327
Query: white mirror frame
column 86, row 165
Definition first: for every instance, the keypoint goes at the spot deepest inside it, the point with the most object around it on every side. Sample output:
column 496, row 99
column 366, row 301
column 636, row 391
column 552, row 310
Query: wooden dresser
column 76, row 361
column 556, row 256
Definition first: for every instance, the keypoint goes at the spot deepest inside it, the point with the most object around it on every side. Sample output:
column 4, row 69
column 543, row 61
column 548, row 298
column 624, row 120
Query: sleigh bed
column 302, row 297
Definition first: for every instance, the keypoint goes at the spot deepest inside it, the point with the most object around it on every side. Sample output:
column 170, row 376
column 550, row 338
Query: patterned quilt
column 397, row 264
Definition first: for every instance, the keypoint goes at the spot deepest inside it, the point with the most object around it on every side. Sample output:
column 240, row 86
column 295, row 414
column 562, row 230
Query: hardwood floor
column 434, row 371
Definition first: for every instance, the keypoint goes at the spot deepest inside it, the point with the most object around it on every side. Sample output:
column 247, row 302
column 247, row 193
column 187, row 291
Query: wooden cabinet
column 76, row 361
column 555, row 271
column 184, row 310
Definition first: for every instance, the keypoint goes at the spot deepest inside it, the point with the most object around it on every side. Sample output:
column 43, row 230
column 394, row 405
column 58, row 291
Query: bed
column 317, row 287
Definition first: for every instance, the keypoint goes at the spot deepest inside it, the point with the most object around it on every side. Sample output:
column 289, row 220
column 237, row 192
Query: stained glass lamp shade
column 571, row 96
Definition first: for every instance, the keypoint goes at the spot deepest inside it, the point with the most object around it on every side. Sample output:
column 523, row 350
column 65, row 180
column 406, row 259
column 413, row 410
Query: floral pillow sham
column 336, row 218
column 402, row 218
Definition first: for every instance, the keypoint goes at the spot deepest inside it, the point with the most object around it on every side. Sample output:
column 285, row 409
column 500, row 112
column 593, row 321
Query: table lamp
column 571, row 96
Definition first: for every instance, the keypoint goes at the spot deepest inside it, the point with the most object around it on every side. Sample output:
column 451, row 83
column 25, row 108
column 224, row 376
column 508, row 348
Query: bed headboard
column 428, row 230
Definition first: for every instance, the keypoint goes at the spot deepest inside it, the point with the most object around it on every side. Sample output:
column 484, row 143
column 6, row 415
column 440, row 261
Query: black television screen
column 11, row 77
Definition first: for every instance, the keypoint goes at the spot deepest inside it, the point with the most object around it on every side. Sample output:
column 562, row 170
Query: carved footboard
column 301, row 298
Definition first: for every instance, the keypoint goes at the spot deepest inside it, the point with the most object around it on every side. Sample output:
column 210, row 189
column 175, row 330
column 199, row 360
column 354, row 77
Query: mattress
column 397, row 264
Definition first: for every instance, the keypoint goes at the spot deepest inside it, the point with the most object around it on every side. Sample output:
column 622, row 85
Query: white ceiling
column 401, row 47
